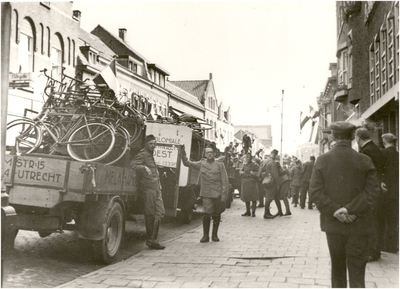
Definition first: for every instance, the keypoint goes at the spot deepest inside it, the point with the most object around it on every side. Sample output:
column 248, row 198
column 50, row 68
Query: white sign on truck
column 176, row 135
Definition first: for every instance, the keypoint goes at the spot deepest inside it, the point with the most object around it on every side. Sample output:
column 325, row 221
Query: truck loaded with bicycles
column 67, row 167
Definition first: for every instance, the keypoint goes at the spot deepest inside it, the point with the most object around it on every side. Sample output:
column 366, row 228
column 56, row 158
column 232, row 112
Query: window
column 92, row 57
column 390, row 56
column 377, row 71
column 69, row 51
column 42, row 38
column 343, row 68
column 56, row 57
column 25, row 48
column 383, row 60
column 73, row 53
column 372, row 73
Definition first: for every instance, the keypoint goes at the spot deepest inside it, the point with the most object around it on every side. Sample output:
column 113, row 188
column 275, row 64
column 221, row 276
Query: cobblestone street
column 253, row 253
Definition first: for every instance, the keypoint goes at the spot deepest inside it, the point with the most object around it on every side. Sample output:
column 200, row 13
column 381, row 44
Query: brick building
column 368, row 64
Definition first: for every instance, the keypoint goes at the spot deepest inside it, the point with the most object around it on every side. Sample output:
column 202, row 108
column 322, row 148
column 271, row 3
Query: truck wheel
column 105, row 250
column 44, row 234
column 187, row 216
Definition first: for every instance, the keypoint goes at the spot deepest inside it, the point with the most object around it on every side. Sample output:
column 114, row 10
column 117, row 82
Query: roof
column 96, row 43
column 120, row 41
column 194, row 87
column 182, row 94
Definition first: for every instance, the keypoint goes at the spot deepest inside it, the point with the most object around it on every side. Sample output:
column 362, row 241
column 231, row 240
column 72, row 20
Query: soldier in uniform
column 147, row 170
column 214, row 187
column 344, row 186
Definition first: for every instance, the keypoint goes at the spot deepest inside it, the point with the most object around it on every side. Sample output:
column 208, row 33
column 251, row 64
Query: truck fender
column 91, row 224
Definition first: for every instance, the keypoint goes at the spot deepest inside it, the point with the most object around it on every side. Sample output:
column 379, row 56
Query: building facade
column 368, row 64
column 214, row 113
column 47, row 35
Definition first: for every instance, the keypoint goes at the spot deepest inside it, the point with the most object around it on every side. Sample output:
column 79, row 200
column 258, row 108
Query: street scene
column 195, row 144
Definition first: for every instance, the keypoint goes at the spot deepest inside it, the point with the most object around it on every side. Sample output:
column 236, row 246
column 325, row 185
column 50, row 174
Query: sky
column 257, row 52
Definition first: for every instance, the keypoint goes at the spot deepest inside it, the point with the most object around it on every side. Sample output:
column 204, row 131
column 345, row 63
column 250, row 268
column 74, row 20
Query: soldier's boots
column 152, row 241
column 206, row 230
column 216, row 221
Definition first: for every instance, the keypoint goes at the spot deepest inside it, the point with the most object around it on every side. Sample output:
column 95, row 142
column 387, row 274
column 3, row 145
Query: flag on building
column 147, row 70
column 313, row 113
column 108, row 76
column 303, row 120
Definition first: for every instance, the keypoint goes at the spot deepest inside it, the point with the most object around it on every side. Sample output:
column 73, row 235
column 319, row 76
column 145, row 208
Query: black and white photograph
column 200, row 143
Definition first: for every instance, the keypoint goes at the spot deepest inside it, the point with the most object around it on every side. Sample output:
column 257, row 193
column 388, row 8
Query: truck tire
column 187, row 215
column 106, row 249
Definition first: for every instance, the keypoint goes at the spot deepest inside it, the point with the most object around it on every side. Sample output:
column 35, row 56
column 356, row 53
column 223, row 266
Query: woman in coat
column 249, row 191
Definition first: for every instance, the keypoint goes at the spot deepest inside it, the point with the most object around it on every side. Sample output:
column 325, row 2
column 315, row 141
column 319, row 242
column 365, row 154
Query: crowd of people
column 356, row 193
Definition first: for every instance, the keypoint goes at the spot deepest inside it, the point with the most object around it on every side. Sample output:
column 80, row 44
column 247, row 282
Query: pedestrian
column 148, row 175
column 344, row 186
column 249, row 185
column 261, row 192
column 369, row 148
column 283, row 189
column 305, row 182
column 295, row 175
column 213, row 190
column 269, row 171
column 390, row 194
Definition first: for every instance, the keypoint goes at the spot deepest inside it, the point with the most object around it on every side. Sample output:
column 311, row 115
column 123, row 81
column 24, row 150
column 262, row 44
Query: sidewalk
column 286, row 252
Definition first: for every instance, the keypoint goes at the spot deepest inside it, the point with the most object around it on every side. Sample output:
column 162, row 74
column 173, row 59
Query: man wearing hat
column 214, row 187
column 269, row 167
column 147, row 170
column 344, row 186
column 390, row 195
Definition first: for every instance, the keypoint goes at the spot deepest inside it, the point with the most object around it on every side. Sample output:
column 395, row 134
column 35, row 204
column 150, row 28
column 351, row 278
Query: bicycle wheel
column 91, row 142
column 23, row 136
column 122, row 142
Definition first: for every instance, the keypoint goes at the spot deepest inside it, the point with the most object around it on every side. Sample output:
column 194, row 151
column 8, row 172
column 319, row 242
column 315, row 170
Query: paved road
column 287, row 252
column 57, row 259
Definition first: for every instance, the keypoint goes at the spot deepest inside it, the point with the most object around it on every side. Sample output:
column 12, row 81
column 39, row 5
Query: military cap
column 389, row 137
column 149, row 137
column 274, row 151
column 342, row 127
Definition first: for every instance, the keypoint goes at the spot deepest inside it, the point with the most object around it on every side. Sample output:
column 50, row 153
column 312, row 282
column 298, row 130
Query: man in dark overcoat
column 390, row 195
column 305, row 183
column 344, row 187
column 369, row 148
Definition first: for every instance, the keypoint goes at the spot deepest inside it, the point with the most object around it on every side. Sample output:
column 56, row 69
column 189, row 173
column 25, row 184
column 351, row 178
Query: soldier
column 145, row 165
column 344, row 186
column 213, row 190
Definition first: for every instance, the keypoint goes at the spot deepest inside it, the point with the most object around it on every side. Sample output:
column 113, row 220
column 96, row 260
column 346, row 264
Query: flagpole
column 281, row 158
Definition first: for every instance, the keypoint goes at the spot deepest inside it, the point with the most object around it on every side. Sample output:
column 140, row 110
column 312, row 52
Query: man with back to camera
column 390, row 194
column 369, row 148
column 213, row 190
column 146, row 167
column 344, row 186
column 305, row 182
column 269, row 167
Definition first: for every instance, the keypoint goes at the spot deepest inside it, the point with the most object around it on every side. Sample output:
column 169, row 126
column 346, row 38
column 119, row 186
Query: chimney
column 122, row 32
column 210, row 75
column 76, row 14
